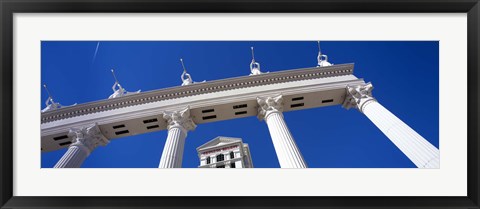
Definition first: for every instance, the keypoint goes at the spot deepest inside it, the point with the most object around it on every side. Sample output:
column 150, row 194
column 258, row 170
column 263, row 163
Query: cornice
column 208, row 149
column 197, row 89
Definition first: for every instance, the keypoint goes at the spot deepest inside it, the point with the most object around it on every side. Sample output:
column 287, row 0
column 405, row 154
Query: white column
column 421, row 152
column 179, row 123
column 85, row 140
column 288, row 154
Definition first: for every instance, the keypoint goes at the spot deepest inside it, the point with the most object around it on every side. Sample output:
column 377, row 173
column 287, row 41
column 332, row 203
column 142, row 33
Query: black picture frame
column 9, row 7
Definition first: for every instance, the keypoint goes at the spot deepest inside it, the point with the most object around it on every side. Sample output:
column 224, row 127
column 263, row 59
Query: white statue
column 186, row 78
column 118, row 91
column 50, row 104
column 254, row 66
column 322, row 58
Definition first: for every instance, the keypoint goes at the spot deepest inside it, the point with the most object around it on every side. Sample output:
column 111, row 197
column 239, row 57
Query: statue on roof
column 322, row 58
column 254, row 66
column 118, row 90
column 50, row 104
column 186, row 78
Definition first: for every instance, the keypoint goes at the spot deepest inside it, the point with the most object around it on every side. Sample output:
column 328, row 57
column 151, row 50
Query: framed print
column 348, row 104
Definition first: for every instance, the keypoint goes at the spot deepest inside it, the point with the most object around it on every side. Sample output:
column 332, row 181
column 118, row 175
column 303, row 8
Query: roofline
column 197, row 89
column 204, row 149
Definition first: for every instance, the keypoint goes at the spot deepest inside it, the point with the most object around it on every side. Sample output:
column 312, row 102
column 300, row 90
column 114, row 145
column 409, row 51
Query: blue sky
column 404, row 74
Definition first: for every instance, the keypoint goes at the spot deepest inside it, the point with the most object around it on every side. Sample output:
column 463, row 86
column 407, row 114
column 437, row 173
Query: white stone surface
column 421, row 152
column 415, row 147
column 73, row 158
column 288, row 154
column 172, row 155
column 291, row 83
column 179, row 122
column 85, row 140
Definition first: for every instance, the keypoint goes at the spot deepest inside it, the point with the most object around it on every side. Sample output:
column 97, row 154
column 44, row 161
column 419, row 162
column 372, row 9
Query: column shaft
column 85, row 140
column 287, row 151
column 73, row 158
column 415, row 147
column 179, row 123
column 173, row 151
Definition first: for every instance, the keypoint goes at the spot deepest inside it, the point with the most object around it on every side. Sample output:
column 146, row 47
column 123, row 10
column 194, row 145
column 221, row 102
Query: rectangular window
column 220, row 158
column 241, row 113
column 209, row 117
column 119, row 126
column 122, row 132
column 60, row 137
column 208, row 160
column 154, row 126
column 150, row 120
column 232, row 165
column 296, row 105
column 297, row 98
column 232, row 155
column 327, row 101
column 207, row 111
column 239, row 106
column 221, row 166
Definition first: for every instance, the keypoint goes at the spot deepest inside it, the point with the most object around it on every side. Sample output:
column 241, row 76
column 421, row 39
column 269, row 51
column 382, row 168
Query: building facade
column 82, row 128
column 225, row 152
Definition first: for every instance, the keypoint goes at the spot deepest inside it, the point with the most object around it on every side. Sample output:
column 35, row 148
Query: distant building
column 225, row 152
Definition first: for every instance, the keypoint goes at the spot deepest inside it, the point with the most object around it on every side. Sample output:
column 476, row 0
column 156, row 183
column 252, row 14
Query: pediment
column 219, row 141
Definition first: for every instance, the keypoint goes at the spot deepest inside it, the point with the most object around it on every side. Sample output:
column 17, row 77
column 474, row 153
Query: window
column 208, row 160
column 232, row 165
column 232, row 155
column 221, row 166
column 220, row 158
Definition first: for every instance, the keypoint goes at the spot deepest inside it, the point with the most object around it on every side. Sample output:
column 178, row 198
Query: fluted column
column 179, row 123
column 421, row 152
column 85, row 140
column 270, row 109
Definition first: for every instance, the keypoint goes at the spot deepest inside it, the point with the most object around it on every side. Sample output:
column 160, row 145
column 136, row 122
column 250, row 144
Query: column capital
column 88, row 137
column 179, row 118
column 357, row 96
column 268, row 105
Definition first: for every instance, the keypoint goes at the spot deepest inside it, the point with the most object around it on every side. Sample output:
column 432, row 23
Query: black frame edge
column 6, row 115
column 9, row 7
column 473, row 21
column 241, row 202
column 241, row 6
